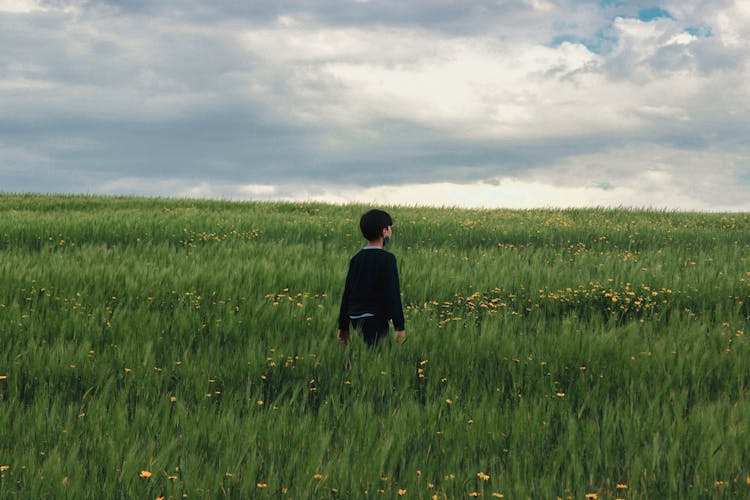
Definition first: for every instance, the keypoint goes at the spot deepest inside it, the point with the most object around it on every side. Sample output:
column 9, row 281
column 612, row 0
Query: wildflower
column 592, row 496
column 145, row 474
column 261, row 485
column 560, row 394
column 483, row 476
column 3, row 377
column 402, row 492
column 317, row 476
column 448, row 401
column 3, row 468
column 498, row 495
column 474, row 494
column 621, row 486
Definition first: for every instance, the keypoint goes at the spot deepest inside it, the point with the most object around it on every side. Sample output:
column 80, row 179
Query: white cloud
column 477, row 87
column 31, row 6
column 19, row 6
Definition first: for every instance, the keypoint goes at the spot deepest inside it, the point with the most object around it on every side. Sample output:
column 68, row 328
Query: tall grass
column 157, row 347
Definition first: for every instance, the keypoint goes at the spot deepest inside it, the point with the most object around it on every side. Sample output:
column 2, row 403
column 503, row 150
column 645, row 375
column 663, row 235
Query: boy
column 372, row 294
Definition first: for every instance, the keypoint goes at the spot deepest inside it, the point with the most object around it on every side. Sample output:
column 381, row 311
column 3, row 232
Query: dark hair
column 373, row 222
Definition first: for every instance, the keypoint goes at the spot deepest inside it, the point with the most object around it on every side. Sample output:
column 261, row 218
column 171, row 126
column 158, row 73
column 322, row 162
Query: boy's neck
column 377, row 243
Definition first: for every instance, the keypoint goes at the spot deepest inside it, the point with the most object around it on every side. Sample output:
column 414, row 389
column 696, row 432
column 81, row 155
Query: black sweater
column 372, row 287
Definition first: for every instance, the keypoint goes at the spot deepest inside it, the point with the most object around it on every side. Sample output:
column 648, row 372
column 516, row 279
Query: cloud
column 634, row 176
column 188, row 97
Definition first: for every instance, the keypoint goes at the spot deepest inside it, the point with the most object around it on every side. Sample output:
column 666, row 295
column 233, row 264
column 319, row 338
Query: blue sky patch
column 652, row 13
column 702, row 31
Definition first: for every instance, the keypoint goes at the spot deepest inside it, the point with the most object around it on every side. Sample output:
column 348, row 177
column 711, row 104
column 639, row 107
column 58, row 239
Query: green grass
column 550, row 353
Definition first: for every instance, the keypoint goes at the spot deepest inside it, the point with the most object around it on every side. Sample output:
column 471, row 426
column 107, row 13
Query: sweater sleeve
column 393, row 290
column 344, row 310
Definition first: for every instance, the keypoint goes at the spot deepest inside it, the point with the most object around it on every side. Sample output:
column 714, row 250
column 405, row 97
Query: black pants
column 373, row 328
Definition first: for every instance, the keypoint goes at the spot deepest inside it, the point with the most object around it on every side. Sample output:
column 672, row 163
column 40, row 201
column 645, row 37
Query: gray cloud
column 101, row 96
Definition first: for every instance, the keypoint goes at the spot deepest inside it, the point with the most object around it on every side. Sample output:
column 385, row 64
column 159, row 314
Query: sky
column 473, row 103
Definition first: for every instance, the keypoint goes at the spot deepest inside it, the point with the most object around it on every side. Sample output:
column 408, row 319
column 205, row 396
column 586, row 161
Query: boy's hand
column 343, row 336
column 400, row 336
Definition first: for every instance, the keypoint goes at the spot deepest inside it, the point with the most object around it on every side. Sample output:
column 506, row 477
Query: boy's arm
column 344, row 309
column 396, row 310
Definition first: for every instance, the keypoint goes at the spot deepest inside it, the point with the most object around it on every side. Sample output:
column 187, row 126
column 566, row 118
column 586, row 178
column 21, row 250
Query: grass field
column 176, row 348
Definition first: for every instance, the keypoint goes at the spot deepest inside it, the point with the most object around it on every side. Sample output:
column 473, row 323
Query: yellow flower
column 621, row 486
column 317, row 476
column 261, row 485
column 145, row 474
column 3, row 468
column 402, row 492
column 474, row 494
column 483, row 476
column 560, row 394
column 448, row 401
column 498, row 495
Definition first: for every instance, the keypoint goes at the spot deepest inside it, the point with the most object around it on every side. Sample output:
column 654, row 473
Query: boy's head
column 373, row 222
